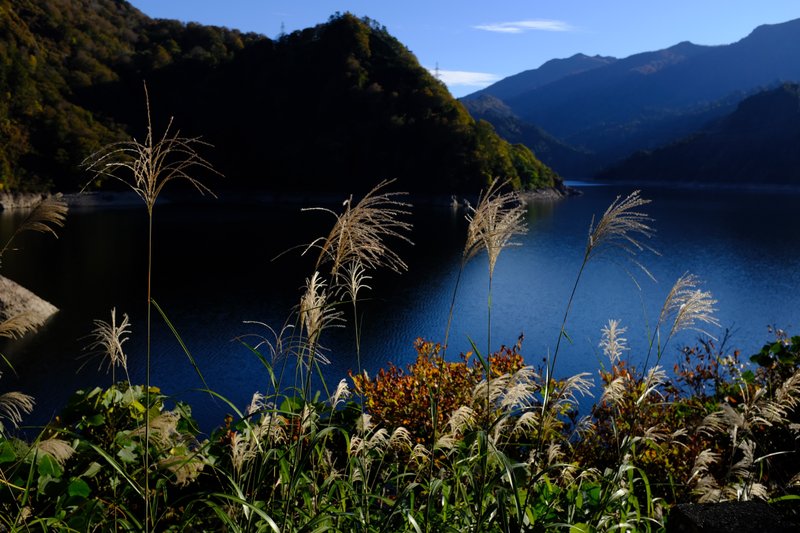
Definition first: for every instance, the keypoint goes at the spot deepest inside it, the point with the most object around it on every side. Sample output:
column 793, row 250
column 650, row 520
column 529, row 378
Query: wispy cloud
column 521, row 26
column 465, row 78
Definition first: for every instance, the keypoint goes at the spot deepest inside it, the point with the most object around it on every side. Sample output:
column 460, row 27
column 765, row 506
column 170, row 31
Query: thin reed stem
column 452, row 307
column 562, row 332
column 147, row 373
column 489, row 319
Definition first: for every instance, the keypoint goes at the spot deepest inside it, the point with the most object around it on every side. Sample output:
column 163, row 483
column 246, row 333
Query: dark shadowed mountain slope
column 567, row 160
column 759, row 143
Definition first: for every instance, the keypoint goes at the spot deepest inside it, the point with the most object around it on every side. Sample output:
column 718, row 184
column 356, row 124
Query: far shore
column 129, row 199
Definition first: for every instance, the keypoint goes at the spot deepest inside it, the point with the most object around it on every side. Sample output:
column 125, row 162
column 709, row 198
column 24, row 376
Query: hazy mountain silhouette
column 759, row 143
column 551, row 71
column 652, row 98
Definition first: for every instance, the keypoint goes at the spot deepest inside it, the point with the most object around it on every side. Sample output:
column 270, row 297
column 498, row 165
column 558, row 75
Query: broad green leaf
column 78, row 488
column 7, row 454
column 48, row 466
column 95, row 420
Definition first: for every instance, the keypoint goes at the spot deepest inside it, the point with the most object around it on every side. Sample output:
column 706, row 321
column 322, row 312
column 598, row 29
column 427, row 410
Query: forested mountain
column 333, row 107
column 649, row 99
column 759, row 143
column 569, row 161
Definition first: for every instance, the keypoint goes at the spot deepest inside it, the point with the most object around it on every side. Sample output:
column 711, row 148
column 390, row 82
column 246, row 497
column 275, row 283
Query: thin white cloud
column 464, row 78
column 521, row 26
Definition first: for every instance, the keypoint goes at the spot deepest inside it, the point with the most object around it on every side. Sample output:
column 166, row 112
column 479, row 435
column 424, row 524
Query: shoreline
column 10, row 201
column 757, row 188
column 129, row 199
column 16, row 300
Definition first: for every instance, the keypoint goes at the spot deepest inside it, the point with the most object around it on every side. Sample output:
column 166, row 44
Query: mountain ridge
column 757, row 143
column 548, row 72
column 651, row 98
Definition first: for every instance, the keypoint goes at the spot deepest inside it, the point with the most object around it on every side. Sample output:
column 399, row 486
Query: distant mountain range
column 759, row 143
column 336, row 107
column 608, row 108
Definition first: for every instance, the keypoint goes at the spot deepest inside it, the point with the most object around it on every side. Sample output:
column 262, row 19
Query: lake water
column 215, row 269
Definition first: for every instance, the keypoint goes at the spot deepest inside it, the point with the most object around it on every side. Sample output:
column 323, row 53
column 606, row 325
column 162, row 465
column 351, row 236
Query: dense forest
column 332, row 107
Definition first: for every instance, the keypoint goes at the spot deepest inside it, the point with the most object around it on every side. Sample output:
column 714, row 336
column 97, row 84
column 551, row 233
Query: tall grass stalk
column 621, row 229
column 146, row 168
column 497, row 219
column 687, row 306
column 357, row 244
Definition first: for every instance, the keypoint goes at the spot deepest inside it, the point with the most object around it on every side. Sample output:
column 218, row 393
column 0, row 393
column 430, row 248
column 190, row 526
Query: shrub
column 430, row 390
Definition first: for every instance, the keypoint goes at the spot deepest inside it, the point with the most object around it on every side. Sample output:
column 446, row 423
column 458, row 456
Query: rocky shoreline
column 16, row 300
column 10, row 201
column 548, row 194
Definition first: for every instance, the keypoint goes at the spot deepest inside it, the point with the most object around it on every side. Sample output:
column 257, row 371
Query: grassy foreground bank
column 484, row 442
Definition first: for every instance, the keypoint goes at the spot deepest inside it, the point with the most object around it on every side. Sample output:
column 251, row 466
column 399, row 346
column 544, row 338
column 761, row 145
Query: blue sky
column 475, row 42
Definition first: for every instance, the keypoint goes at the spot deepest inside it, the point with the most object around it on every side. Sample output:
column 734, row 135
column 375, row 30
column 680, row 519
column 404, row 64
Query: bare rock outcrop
column 16, row 300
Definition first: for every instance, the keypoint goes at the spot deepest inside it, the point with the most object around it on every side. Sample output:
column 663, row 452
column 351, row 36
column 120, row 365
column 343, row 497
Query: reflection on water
column 215, row 268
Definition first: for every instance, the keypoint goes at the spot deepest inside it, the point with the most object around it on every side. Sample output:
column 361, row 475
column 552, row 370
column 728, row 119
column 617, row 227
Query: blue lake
column 216, row 268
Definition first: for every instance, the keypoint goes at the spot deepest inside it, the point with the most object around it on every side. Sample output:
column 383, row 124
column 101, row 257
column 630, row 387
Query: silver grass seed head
column 14, row 405
column 688, row 306
column 622, row 229
column 358, row 239
column 420, row 455
column 315, row 312
column 340, row 395
column 656, row 377
column 147, row 167
column 256, row 404
column 47, row 215
column 400, row 439
column 185, row 468
column 615, row 391
column 107, row 339
column 15, row 327
column 612, row 342
column 497, row 219
column 163, row 429
column 272, row 428
column 460, row 421
column 621, row 226
column 59, row 449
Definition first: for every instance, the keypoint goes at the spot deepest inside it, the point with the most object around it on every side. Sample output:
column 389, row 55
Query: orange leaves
column 429, row 390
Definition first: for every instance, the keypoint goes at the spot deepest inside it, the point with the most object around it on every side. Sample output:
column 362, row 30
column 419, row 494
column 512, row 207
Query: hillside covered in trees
column 332, row 107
